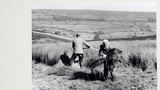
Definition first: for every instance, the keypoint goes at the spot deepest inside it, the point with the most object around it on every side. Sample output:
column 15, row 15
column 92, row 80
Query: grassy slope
column 61, row 77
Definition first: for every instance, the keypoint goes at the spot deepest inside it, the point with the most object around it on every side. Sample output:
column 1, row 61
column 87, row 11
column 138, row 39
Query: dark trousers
column 80, row 56
column 108, row 68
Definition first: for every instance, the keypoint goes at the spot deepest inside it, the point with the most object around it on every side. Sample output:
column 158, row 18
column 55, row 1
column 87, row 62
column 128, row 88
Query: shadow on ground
column 87, row 76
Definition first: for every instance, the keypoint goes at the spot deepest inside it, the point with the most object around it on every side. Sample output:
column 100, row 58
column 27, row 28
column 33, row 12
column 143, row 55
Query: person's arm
column 101, row 53
column 86, row 44
column 73, row 45
column 101, row 50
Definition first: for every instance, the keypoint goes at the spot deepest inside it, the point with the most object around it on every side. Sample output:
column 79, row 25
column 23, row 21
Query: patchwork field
column 90, row 23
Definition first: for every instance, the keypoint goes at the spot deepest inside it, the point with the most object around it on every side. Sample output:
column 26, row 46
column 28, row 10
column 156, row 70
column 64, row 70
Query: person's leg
column 111, row 67
column 111, row 72
column 73, row 58
column 105, row 69
column 80, row 59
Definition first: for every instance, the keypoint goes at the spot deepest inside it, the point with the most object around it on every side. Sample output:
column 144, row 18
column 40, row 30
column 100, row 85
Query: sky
column 140, row 6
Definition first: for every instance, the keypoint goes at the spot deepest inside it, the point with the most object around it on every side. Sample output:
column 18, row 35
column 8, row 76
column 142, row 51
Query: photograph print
column 94, row 46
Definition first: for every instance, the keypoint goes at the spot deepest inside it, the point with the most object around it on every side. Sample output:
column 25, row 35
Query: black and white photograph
column 94, row 46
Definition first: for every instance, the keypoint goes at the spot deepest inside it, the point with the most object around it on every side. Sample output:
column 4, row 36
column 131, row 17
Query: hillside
column 94, row 14
column 94, row 24
column 131, row 58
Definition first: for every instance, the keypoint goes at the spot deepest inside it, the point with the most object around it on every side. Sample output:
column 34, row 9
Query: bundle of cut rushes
column 113, row 55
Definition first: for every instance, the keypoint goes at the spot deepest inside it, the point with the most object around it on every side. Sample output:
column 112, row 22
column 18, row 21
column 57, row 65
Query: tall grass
column 48, row 53
column 138, row 54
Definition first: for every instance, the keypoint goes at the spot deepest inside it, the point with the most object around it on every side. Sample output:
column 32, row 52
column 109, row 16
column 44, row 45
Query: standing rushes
column 138, row 54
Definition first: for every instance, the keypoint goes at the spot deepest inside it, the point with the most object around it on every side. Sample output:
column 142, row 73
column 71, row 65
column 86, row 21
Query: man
column 77, row 45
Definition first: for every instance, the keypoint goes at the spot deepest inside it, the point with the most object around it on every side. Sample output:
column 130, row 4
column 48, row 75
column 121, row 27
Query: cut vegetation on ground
column 137, row 70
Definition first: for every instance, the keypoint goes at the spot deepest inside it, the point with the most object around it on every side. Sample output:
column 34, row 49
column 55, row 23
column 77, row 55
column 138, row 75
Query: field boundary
column 66, row 39
column 149, row 37
column 51, row 36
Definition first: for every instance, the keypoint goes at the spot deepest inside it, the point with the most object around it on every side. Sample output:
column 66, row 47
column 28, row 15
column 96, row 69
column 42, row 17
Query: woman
column 104, row 51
